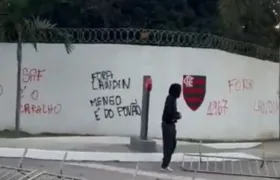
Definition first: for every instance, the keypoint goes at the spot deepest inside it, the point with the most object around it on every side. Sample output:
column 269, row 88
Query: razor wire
column 149, row 37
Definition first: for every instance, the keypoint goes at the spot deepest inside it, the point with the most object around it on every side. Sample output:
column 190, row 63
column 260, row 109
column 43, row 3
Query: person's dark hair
column 175, row 90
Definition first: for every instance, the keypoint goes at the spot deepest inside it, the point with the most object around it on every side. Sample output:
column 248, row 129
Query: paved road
column 69, row 170
column 122, row 171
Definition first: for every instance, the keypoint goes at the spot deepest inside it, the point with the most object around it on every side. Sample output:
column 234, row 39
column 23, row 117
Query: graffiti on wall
column 104, row 80
column 220, row 107
column 109, row 107
column 236, row 85
column 266, row 106
column 32, row 76
column 194, row 90
column 217, row 108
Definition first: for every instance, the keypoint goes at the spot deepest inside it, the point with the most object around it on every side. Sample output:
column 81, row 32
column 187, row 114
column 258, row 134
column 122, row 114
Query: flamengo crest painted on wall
column 194, row 89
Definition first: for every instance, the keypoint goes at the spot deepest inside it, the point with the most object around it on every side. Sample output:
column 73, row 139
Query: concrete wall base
column 140, row 145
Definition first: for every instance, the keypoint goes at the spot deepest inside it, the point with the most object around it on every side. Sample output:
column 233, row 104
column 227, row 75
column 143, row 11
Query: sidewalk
column 117, row 149
column 109, row 144
column 111, row 158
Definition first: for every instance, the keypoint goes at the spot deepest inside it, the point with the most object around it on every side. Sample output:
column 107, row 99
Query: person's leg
column 174, row 139
column 164, row 143
column 173, row 142
column 167, row 146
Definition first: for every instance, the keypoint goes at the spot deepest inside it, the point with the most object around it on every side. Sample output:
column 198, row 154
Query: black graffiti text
column 105, row 80
column 106, row 100
column 96, row 115
column 131, row 110
column 109, row 114
column 114, row 109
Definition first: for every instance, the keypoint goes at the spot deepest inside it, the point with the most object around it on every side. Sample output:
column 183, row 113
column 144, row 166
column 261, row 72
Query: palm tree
column 18, row 21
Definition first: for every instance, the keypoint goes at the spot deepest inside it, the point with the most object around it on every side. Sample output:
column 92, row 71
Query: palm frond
column 30, row 32
column 43, row 24
column 37, row 29
column 67, row 40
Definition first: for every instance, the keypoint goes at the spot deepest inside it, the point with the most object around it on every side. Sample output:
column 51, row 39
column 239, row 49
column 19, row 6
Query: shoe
column 168, row 169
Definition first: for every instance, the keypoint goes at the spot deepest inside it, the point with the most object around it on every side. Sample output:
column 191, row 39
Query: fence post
column 62, row 163
column 263, row 155
column 136, row 171
column 22, row 157
column 147, row 83
column 199, row 151
column 142, row 143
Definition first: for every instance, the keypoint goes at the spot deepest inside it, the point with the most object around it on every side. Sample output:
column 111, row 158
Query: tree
column 231, row 12
column 244, row 20
column 19, row 21
column 251, row 21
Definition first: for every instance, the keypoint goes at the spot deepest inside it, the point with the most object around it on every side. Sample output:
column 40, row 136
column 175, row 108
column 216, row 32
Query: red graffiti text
column 33, row 94
column 267, row 106
column 217, row 108
column 240, row 85
column 42, row 109
column 32, row 75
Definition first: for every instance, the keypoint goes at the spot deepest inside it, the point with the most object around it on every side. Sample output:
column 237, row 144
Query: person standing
column 169, row 119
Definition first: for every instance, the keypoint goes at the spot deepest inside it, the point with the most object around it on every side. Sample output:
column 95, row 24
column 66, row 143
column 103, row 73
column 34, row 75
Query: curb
column 111, row 156
column 115, row 140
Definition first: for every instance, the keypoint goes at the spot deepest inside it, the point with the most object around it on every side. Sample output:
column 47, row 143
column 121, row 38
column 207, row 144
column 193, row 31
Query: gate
column 12, row 173
column 49, row 176
column 19, row 173
column 231, row 166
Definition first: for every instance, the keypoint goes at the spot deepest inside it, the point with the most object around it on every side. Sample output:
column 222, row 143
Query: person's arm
column 177, row 114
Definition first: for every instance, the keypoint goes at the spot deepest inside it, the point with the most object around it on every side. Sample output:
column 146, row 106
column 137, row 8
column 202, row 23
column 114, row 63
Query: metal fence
column 245, row 167
column 20, row 173
column 257, row 168
column 152, row 37
column 260, row 168
column 15, row 173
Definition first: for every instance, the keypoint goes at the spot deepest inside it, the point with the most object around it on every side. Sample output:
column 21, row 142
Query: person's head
column 175, row 90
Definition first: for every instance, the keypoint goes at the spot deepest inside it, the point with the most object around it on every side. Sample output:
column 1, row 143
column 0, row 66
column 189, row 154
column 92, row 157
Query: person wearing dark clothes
column 169, row 119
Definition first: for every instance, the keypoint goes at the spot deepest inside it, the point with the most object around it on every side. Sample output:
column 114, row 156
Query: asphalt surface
column 84, row 170
column 123, row 171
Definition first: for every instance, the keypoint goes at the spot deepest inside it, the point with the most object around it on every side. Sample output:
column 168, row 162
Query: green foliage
column 250, row 20
column 20, row 19
column 246, row 20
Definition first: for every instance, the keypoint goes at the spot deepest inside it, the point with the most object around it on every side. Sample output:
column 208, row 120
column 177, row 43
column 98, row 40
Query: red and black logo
column 194, row 89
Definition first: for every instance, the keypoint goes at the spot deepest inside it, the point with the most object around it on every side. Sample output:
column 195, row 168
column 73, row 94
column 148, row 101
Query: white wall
column 63, row 83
